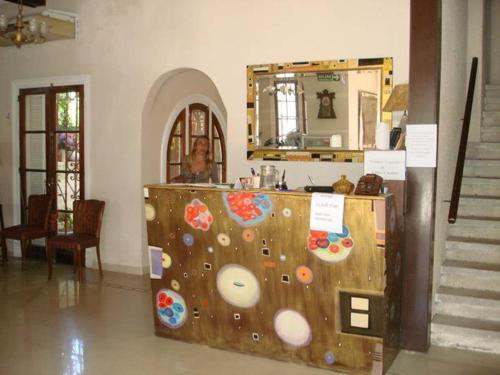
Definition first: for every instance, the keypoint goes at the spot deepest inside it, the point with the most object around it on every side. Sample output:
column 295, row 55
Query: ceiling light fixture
column 23, row 32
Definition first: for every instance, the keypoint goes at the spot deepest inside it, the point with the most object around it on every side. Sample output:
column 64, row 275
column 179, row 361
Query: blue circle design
column 169, row 312
column 332, row 237
column 188, row 239
column 345, row 232
column 172, row 321
column 178, row 307
column 329, row 358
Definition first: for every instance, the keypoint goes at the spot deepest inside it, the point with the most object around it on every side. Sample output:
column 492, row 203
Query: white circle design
column 175, row 285
column 238, row 286
column 149, row 211
column 223, row 239
column 287, row 212
column 292, row 328
column 166, row 260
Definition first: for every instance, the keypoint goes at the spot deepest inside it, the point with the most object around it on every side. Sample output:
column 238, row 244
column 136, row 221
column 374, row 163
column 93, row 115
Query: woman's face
column 201, row 146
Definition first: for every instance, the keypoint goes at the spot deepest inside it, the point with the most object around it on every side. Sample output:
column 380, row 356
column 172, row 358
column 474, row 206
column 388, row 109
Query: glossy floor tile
column 61, row 327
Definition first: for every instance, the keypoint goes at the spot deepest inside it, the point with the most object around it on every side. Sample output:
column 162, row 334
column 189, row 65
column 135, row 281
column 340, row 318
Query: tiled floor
column 63, row 328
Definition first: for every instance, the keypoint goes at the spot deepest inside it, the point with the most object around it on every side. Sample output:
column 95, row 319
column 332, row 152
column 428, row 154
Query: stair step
column 476, row 227
column 482, row 168
column 478, row 206
column 469, row 275
column 467, row 249
column 490, row 87
column 481, row 186
column 491, row 115
column 490, row 133
column 490, row 121
column 465, row 333
column 468, row 303
column 491, row 106
column 483, row 150
column 491, row 100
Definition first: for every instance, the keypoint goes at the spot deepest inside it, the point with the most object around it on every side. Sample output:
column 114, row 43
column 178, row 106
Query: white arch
column 179, row 106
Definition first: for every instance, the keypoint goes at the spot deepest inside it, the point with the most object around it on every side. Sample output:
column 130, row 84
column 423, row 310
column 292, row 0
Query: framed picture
column 326, row 104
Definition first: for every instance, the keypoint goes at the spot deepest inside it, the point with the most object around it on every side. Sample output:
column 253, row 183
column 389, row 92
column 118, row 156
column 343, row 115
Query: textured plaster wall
column 452, row 101
column 492, row 41
column 126, row 47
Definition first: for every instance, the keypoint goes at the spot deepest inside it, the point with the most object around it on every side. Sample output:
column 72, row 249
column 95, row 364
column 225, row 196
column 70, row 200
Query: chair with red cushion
column 87, row 221
column 37, row 227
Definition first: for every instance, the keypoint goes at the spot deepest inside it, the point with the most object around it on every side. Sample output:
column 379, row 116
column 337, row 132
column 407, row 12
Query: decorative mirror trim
column 325, row 67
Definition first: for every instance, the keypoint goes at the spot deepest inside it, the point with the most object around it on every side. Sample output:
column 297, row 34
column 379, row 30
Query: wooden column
column 425, row 50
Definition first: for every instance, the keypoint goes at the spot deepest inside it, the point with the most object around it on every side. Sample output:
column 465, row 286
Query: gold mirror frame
column 311, row 154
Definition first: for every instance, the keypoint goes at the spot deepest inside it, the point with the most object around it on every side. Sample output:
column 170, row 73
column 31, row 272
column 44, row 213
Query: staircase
column 467, row 302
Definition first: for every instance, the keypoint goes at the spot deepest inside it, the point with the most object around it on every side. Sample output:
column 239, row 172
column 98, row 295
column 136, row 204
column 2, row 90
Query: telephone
column 369, row 184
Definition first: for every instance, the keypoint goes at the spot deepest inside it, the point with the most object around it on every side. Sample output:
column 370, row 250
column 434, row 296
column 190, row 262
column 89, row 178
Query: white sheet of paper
column 390, row 165
column 421, row 145
column 360, row 320
column 327, row 212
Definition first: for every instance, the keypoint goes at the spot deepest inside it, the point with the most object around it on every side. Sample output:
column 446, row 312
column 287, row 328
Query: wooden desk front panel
column 286, row 304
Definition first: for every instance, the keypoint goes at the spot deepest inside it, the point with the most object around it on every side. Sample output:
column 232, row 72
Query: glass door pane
column 67, row 137
column 35, row 112
column 35, row 183
column 35, row 151
column 33, row 147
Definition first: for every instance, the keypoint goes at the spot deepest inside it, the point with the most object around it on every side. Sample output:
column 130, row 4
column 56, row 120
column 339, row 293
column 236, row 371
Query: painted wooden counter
column 240, row 270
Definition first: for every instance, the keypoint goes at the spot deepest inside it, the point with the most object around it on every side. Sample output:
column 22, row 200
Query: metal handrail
column 459, row 171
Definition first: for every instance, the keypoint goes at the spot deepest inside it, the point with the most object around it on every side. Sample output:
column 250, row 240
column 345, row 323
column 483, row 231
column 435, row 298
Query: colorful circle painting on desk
column 171, row 308
column 329, row 246
column 247, row 208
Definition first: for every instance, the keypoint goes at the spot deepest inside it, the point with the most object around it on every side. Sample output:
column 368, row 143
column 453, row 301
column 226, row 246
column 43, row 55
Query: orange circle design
column 304, row 274
column 248, row 235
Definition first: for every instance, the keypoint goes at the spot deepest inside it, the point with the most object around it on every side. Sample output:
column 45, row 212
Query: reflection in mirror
column 326, row 107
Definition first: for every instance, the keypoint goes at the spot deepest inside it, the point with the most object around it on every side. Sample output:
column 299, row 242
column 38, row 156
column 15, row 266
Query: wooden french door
column 51, row 148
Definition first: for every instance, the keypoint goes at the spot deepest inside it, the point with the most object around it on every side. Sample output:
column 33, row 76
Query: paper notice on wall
column 327, row 212
column 390, row 165
column 421, row 145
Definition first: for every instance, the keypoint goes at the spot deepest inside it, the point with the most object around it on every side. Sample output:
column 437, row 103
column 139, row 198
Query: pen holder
column 256, row 182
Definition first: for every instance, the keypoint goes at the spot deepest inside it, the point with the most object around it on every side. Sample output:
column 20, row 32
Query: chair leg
column 4, row 249
column 28, row 248
column 99, row 258
column 23, row 253
column 79, row 260
column 75, row 261
column 48, row 252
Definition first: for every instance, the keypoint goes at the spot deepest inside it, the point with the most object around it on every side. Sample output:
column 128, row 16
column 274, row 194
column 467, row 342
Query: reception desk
column 241, row 270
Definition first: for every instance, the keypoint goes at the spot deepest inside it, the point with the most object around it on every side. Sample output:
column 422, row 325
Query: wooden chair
column 37, row 227
column 87, row 220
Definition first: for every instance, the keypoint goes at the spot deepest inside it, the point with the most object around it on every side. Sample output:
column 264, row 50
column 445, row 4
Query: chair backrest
column 87, row 216
column 39, row 210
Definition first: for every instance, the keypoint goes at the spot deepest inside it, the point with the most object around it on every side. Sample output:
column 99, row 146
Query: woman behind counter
column 199, row 166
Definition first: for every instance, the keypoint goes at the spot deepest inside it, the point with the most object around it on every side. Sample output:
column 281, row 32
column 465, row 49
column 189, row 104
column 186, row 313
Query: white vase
column 382, row 136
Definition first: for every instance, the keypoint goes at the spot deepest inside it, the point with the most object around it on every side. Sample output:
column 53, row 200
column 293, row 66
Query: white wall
column 452, row 101
column 492, row 41
column 127, row 45
column 476, row 48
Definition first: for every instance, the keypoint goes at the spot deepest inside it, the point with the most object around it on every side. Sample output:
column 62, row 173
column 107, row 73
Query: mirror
column 316, row 110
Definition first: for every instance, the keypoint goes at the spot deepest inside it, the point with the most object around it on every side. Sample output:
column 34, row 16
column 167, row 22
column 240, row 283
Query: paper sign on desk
column 327, row 212
column 421, row 145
